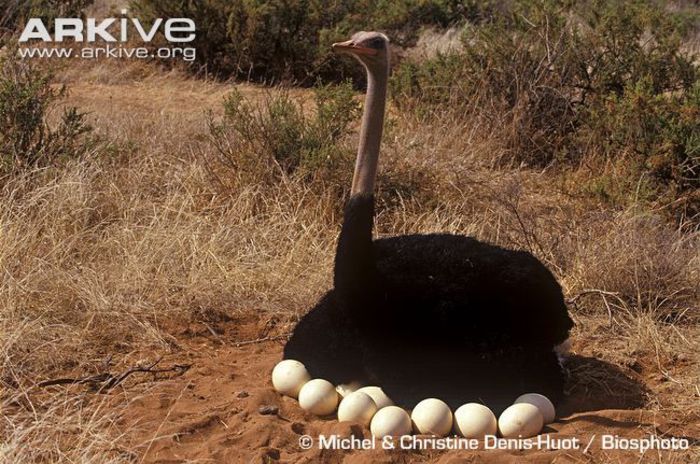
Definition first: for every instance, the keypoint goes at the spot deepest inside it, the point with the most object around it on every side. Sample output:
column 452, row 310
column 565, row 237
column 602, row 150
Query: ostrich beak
column 350, row 47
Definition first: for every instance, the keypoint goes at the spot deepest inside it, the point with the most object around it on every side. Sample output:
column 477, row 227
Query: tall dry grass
column 65, row 428
column 105, row 255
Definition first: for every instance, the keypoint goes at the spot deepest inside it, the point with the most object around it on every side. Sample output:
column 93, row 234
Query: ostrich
column 434, row 315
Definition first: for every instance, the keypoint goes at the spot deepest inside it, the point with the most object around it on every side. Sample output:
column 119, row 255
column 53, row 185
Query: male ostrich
column 435, row 315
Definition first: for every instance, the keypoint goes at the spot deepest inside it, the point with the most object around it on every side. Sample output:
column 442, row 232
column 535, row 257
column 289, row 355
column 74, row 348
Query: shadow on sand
column 594, row 385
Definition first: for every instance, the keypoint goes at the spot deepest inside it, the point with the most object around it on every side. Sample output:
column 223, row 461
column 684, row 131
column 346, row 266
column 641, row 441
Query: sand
column 224, row 409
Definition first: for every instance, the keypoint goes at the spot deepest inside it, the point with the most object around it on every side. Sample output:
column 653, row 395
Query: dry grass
column 103, row 256
column 63, row 429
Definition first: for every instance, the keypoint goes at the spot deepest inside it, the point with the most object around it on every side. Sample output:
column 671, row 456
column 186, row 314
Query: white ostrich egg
column 543, row 404
column 377, row 394
column 357, row 407
column 391, row 421
column 318, row 396
column 522, row 420
column 344, row 389
column 289, row 376
column 432, row 417
column 474, row 420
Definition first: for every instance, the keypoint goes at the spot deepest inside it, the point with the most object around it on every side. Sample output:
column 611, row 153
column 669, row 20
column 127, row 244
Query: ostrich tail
column 355, row 267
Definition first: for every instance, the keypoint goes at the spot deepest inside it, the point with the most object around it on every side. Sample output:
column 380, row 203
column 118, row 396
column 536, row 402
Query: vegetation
column 602, row 82
column 14, row 13
column 279, row 133
column 599, row 83
column 289, row 40
column 26, row 139
column 279, row 138
column 28, row 95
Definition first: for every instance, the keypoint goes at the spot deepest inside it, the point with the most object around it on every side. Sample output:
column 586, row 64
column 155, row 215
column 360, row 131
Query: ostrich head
column 370, row 48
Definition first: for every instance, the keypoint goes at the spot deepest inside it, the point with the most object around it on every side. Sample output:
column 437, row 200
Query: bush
column 289, row 40
column 278, row 137
column 601, row 78
column 15, row 13
column 26, row 139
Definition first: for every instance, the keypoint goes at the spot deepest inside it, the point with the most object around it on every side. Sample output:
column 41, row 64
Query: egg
column 377, row 394
column 344, row 389
column 289, row 376
column 391, row 421
column 474, row 420
column 543, row 404
column 522, row 420
column 357, row 407
column 318, row 396
column 432, row 417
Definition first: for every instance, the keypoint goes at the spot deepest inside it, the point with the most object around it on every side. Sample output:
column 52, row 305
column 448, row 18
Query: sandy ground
column 215, row 412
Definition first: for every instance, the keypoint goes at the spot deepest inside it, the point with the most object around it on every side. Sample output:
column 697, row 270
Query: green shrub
column 567, row 80
column 659, row 133
column 14, row 13
column 279, row 137
column 289, row 40
column 26, row 139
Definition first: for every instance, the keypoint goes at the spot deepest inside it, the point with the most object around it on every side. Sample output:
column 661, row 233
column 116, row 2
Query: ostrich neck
column 370, row 134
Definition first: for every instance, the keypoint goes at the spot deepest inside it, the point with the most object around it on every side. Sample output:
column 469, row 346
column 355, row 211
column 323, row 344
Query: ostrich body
column 435, row 315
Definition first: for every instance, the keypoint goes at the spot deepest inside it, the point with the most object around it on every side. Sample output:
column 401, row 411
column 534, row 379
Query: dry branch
column 603, row 294
column 105, row 381
column 263, row 339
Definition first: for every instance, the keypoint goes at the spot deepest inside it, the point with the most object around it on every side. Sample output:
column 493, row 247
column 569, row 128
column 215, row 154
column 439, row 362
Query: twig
column 595, row 291
column 68, row 381
column 603, row 294
column 263, row 339
column 210, row 329
column 105, row 381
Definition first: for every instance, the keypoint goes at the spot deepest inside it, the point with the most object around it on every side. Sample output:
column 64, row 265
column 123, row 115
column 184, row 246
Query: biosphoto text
column 121, row 38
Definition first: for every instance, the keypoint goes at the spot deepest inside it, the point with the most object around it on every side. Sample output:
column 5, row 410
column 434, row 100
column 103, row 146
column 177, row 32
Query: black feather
column 436, row 315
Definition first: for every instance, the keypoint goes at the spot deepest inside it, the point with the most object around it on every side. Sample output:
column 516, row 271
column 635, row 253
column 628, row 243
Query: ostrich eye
column 375, row 42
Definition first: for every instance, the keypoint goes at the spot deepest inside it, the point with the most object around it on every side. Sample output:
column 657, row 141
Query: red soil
column 212, row 413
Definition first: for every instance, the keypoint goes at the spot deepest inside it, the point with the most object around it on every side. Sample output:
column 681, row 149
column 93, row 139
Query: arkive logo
column 88, row 30
column 115, row 33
